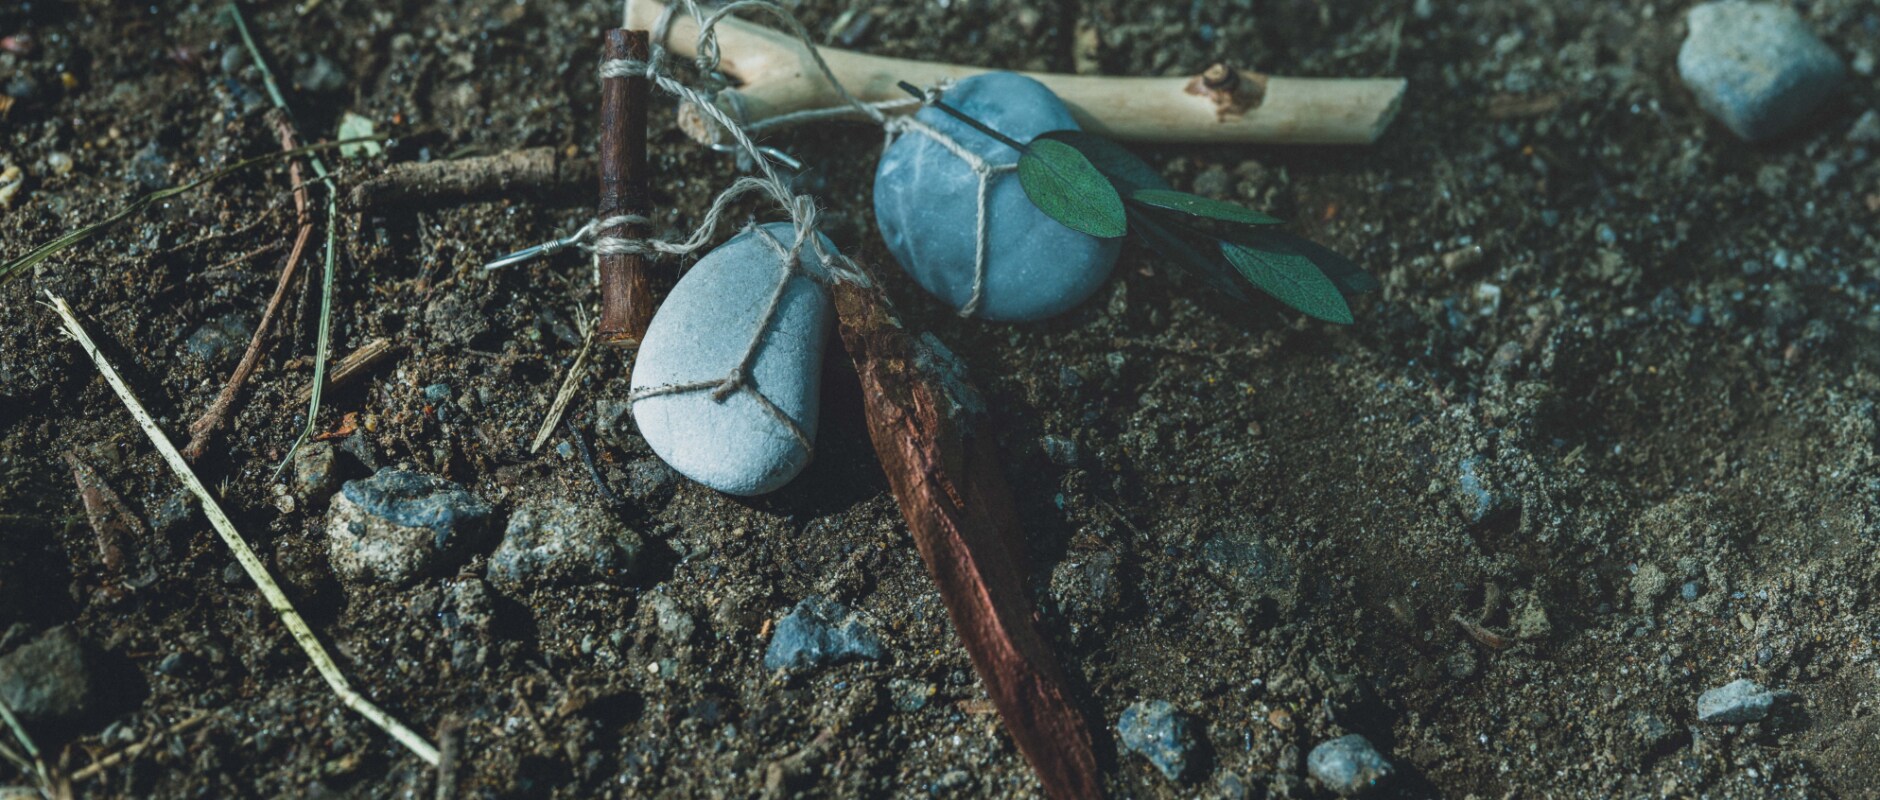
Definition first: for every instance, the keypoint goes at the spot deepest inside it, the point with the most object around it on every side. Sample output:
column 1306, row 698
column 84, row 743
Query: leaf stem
column 961, row 116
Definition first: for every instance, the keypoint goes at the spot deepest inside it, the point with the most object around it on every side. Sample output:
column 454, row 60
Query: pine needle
column 251, row 563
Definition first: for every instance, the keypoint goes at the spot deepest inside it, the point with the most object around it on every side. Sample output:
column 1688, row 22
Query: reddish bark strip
column 626, row 295
column 946, row 477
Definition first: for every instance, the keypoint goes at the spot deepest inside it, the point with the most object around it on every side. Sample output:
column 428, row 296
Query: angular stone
column 735, row 445
column 819, row 632
column 1737, row 702
column 557, row 541
column 397, row 525
column 1169, row 738
column 926, row 202
column 1349, row 765
column 1756, row 67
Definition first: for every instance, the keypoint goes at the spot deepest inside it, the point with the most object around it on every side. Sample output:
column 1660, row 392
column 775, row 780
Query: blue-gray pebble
column 820, row 632
column 1349, row 765
column 1756, row 67
column 700, row 332
column 1170, row 739
column 926, row 202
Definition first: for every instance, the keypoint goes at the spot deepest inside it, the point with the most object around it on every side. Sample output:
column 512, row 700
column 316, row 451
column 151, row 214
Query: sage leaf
column 1195, row 205
column 1351, row 278
column 1069, row 189
column 1122, row 167
column 1292, row 279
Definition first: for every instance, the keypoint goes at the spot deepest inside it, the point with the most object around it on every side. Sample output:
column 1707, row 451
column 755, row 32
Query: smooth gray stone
column 734, row 445
column 926, row 202
column 1756, row 67
column 1349, row 765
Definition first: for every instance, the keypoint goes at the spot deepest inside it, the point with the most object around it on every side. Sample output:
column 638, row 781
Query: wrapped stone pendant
column 934, row 202
column 727, row 383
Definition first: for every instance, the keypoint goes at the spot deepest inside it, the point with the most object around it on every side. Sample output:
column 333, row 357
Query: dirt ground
column 1615, row 405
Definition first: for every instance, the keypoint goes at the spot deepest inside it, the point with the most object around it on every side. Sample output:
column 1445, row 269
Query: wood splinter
column 626, row 293
column 776, row 77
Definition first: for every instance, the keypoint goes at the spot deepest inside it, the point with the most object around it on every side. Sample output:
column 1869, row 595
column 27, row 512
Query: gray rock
column 675, row 625
column 558, row 541
column 820, row 632
column 1061, row 450
column 320, row 76
column 1756, row 67
column 1737, row 702
column 316, row 470
column 1349, row 765
column 397, row 525
column 910, row 695
column 701, row 331
column 926, row 201
column 50, row 679
column 1169, row 738
column 1866, row 130
column 650, row 482
column 218, row 340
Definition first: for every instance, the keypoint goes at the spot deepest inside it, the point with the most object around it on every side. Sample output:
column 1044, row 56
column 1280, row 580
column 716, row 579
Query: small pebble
column 820, row 632
column 1866, row 130
column 1060, row 450
column 700, row 332
column 1349, row 765
column 1756, row 67
column 218, row 341
column 1737, row 702
column 556, row 541
column 675, row 625
column 910, row 695
column 23, row 87
column 437, row 392
column 926, row 201
column 397, row 525
column 316, row 470
column 320, row 76
column 50, row 679
column 1169, row 738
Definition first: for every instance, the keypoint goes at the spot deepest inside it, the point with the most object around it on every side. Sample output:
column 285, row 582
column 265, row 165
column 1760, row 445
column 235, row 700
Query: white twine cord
column 982, row 196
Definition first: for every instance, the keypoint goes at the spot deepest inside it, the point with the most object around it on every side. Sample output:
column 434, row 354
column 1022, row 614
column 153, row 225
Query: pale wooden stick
column 271, row 591
column 1221, row 105
column 568, row 386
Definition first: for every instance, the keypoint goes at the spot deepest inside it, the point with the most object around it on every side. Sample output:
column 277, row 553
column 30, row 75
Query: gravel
column 1169, row 738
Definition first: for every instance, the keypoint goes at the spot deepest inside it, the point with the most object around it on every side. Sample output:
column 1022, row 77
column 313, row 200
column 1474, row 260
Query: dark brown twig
column 626, row 295
column 111, row 522
column 944, row 470
column 539, row 170
column 356, row 363
column 204, row 428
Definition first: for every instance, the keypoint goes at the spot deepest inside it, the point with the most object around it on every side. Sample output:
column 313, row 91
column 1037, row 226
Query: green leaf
column 1351, row 278
column 1122, row 167
column 1068, row 188
column 354, row 126
column 1174, row 241
column 1291, row 278
column 1195, row 205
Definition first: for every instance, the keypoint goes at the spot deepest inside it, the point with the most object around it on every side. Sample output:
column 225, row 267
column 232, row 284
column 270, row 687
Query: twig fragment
column 111, row 522
column 135, row 749
column 367, row 358
column 569, row 383
column 251, row 563
column 539, row 170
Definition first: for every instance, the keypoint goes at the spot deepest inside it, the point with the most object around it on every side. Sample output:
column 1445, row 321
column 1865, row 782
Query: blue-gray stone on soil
column 397, row 525
column 49, row 679
column 1169, row 738
column 1348, row 765
column 820, row 632
column 700, row 332
column 926, row 202
column 1756, row 67
column 552, row 541
column 1738, row 702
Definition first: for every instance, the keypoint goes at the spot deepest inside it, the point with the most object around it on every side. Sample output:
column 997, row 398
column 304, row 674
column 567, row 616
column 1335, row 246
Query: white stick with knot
column 779, row 84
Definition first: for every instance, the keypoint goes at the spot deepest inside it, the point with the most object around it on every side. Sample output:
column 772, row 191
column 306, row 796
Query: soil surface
column 1606, row 438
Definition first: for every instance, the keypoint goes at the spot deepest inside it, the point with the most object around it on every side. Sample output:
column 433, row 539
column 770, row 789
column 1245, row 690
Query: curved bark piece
column 945, row 475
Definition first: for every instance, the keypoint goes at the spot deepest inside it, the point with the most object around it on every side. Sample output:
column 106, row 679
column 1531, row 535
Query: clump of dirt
column 1605, row 440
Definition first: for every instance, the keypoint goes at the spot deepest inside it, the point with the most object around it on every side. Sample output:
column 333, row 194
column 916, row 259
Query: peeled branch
column 1221, row 105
